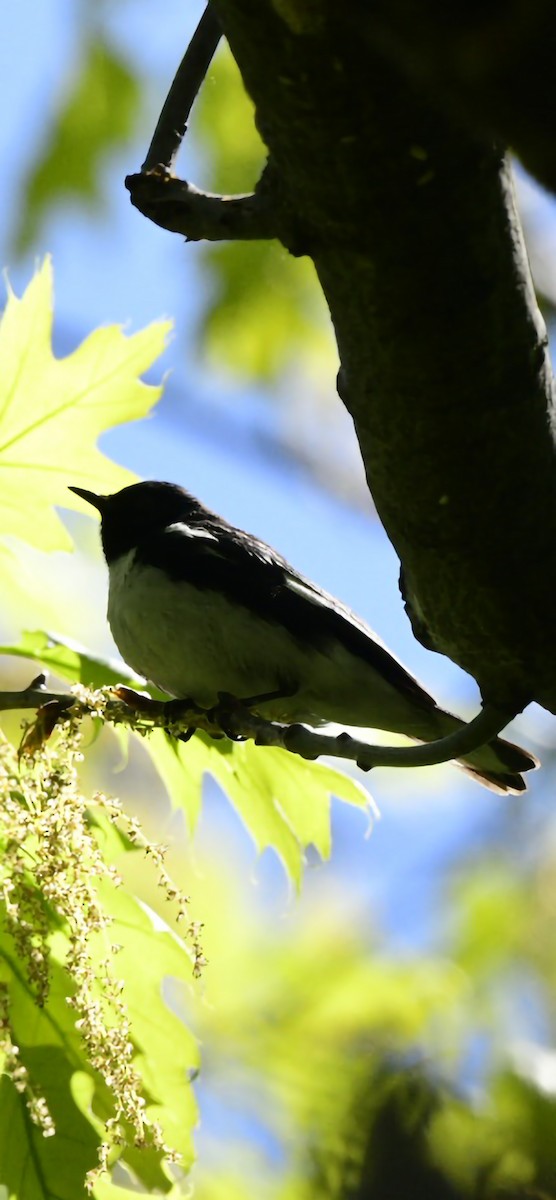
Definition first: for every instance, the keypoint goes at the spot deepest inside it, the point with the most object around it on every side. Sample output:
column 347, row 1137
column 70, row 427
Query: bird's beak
column 91, row 498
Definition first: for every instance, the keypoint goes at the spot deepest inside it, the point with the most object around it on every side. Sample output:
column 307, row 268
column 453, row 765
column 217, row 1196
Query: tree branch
column 172, row 123
column 232, row 719
column 34, row 696
column 309, row 744
column 492, row 64
column 179, row 206
column 182, row 208
column 411, row 222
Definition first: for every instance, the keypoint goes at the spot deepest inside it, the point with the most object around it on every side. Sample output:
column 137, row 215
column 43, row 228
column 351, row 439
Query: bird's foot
column 281, row 693
column 223, row 712
column 229, row 707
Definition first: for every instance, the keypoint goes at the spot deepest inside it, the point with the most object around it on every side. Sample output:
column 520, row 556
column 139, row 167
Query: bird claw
column 222, row 714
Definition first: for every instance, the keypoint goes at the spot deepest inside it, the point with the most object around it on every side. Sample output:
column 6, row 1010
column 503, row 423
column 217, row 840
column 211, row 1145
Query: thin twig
column 33, row 697
column 231, row 718
column 172, row 123
column 175, row 204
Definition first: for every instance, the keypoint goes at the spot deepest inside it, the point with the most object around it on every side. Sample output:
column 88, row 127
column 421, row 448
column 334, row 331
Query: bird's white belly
column 194, row 643
column 187, row 641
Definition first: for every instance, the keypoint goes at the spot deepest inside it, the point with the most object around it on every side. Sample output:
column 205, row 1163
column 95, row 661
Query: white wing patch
column 191, row 531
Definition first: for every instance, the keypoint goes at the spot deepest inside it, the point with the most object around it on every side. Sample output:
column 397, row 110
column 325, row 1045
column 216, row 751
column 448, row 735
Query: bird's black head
column 137, row 512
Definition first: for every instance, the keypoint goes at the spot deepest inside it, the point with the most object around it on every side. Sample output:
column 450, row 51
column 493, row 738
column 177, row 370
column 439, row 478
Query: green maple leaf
column 52, row 411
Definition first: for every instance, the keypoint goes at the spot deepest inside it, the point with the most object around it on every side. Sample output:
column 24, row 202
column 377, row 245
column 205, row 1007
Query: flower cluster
column 52, row 874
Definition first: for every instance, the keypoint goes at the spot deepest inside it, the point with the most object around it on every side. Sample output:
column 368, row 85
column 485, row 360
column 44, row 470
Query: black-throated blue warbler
column 199, row 607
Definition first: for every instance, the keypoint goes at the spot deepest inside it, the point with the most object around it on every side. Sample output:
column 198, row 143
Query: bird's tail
column 498, row 765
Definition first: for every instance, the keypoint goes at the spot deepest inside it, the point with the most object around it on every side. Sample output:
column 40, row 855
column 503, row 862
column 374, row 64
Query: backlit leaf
column 96, row 114
column 53, row 410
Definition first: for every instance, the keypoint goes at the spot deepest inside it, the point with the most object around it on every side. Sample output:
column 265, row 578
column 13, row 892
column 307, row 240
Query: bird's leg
column 227, row 704
column 280, row 693
column 174, row 710
column 220, row 714
column 218, row 723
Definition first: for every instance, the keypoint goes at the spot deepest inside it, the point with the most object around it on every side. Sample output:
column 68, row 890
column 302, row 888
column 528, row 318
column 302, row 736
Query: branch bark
column 172, row 123
column 180, row 207
column 175, row 204
column 492, row 64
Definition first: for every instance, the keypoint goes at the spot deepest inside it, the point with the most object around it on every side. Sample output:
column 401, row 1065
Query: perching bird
column 199, row 607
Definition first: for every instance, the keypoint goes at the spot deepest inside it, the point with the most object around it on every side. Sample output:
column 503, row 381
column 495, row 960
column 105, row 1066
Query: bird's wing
column 214, row 556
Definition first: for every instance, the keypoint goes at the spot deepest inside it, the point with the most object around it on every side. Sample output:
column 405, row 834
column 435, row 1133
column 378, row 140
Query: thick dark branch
column 232, row 719
column 411, row 222
column 181, row 208
column 172, row 123
column 491, row 63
